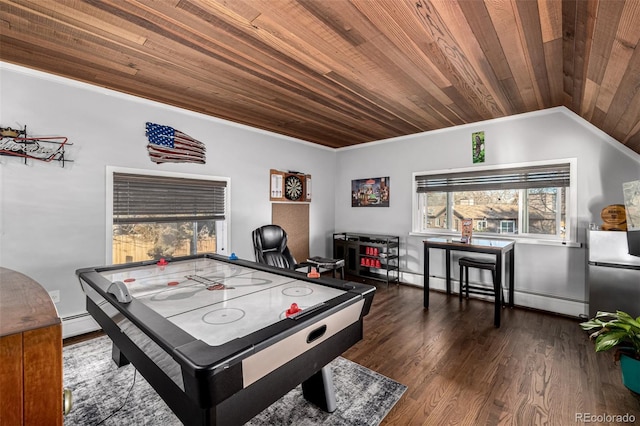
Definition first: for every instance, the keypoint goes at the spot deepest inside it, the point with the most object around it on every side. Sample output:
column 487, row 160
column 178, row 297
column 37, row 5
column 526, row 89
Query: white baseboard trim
column 78, row 324
column 528, row 300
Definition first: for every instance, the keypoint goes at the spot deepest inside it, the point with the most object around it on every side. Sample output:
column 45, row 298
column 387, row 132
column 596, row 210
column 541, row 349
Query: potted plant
column 622, row 332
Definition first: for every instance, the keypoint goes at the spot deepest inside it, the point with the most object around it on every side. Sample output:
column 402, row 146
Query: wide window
column 530, row 201
column 166, row 215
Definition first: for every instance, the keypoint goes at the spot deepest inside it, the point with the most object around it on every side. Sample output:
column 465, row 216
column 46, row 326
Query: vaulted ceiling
column 344, row 72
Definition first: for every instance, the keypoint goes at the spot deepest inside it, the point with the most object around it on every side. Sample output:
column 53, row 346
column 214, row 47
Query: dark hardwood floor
column 536, row 369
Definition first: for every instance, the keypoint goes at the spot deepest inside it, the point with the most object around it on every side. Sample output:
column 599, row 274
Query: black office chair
column 270, row 247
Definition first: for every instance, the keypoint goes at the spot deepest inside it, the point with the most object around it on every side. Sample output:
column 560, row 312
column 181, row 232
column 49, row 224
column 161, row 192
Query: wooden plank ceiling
column 344, row 72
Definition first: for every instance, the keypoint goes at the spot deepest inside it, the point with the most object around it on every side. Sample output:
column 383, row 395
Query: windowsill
column 519, row 240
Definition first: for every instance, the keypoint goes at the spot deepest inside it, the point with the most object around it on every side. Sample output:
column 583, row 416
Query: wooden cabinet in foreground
column 30, row 353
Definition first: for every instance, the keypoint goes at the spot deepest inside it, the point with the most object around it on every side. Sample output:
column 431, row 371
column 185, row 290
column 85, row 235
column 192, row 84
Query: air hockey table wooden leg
column 319, row 390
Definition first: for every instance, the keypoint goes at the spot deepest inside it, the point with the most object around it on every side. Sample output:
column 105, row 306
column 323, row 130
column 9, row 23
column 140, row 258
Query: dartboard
column 293, row 188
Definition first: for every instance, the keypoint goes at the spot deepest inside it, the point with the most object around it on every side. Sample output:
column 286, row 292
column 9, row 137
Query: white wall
column 52, row 219
column 547, row 277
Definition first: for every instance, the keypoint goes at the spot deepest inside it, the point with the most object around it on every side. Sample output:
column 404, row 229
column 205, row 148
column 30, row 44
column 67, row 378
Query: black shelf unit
column 369, row 256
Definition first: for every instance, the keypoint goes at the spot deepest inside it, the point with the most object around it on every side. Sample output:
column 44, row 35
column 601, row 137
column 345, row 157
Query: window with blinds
column 524, row 200
column 552, row 176
column 148, row 198
column 157, row 215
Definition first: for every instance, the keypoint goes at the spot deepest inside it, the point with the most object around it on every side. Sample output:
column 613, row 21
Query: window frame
column 571, row 216
column 222, row 226
column 511, row 224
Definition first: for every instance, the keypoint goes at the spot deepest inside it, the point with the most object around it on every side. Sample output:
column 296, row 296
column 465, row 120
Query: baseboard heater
column 75, row 325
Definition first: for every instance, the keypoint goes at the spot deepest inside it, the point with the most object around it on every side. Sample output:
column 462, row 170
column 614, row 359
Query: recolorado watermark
column 605, row 418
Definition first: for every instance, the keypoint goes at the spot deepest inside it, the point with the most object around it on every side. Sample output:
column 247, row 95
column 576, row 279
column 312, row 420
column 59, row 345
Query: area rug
column 106, row 395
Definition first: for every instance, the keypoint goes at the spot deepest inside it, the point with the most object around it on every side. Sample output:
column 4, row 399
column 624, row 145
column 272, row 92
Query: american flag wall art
column 168, row 145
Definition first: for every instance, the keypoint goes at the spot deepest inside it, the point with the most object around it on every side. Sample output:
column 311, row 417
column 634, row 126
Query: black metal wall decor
column 15, row 143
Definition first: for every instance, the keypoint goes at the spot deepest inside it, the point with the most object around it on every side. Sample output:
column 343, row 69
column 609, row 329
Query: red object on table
column 162, row 262
column 294, row 309
column 313, row 273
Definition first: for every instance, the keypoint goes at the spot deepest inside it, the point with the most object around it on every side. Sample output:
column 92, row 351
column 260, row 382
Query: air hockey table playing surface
column 217, row 302
column 217, row 331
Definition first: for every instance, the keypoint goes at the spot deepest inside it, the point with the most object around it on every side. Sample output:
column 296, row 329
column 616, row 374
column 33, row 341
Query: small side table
column 323, row 262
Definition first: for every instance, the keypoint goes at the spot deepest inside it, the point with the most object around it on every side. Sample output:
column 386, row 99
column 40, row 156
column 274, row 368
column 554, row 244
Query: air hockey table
column 220, row 340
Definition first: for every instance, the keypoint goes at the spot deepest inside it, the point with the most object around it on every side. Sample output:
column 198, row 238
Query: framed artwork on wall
column 477, row 147
column 371, row 192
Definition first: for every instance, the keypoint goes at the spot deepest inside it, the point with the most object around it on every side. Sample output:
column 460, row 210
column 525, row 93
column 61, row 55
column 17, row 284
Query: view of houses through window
column 530, row 200
column 506, row 211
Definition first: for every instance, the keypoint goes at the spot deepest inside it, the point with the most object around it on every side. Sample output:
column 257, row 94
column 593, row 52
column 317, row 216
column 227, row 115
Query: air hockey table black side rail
column 203, row 384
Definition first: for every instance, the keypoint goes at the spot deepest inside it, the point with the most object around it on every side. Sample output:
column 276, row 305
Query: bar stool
column 469, row 262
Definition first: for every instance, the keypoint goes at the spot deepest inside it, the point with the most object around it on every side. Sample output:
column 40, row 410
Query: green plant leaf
column 591, row 324
column 609, row 340
column 628, row 319
column 617, row 329
column 601, row 314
